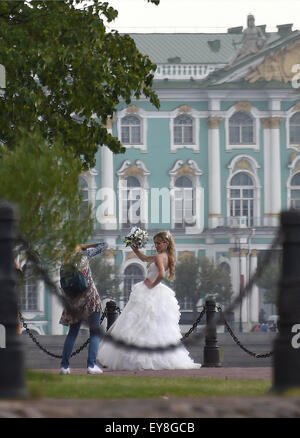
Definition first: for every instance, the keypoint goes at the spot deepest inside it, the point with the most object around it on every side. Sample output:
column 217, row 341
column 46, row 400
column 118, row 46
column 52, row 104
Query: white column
column 254, row 296
column 272, row 170
column 214, row 172
column 108, row 218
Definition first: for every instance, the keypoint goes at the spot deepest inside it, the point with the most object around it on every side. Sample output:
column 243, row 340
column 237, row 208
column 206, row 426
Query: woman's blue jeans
column 94, row 321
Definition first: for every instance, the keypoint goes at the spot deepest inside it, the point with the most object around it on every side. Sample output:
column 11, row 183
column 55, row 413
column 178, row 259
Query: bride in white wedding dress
column 149, row 319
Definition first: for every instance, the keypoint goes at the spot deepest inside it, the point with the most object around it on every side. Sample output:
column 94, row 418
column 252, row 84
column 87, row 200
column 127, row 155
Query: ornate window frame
column 31, row 314
column 90, row 178
column 195, row 145
column 294, row 169
column 246, row 164
column 189, row 169
column 139, row 171
column 247, row 107
column 289, row 114
column 142, row 116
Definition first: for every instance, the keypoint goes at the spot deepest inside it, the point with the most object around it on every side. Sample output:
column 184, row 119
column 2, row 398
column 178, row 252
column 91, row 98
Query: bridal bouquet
column 136, row 238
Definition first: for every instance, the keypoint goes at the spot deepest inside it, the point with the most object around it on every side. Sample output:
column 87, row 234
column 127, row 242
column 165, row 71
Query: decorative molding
column 243, row 162
column 296, row 107
column 244, row 252
column 137, row 169
column 234, row 252
column 184, row 109
column 176, row 167
column 243, row 106
column 132, row 109
column 277, row 66
column 109, row 122
column 185, row 254
column 185, row 170
column 254, row 252
column 244, row 165
column 131, row 255
column 272, row 122
column 189, row 168
column 214, row 122
column 110, row 253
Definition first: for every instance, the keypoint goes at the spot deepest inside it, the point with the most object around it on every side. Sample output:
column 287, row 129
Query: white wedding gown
column 150, row 319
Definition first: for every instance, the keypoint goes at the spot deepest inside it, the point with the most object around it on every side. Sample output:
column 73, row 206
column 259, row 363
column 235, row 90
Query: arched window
column 295, row 128
column 131, row 130
column 183, row 129
column 295, row 191
column 84, row 190
column 241, row 128
column 184, row 202
column 132, row 275
column 131, row 202
column 242, row 198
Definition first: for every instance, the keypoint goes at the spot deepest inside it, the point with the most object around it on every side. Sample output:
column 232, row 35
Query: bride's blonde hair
column 167, row 237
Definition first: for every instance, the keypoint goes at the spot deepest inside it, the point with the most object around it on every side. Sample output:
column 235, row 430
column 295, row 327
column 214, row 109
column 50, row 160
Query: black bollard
column 211, row 353
column 286, row 357
column 111, row 312
column 12, row 366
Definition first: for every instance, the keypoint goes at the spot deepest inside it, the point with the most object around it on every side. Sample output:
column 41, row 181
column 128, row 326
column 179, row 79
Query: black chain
column 57, row 356
column 196, row 323
column 238, row 300
column 236, row 340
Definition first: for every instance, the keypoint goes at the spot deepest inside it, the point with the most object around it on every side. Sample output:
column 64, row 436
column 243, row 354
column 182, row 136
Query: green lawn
column 43, row 385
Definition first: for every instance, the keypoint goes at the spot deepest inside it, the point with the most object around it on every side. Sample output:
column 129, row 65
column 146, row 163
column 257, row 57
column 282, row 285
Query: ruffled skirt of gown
column 150, row 319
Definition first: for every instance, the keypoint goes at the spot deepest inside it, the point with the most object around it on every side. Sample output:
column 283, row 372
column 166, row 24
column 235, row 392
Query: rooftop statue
column 253, row 40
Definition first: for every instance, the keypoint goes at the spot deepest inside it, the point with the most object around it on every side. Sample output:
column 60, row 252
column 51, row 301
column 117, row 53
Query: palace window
column 184, row 202
column 131, row 202
column 242, row 198
column 295, row 191
column 183, row 130
column 241, row 129
column 132, row 275
column 28, row 293
column 131, row 130
column 295, row 129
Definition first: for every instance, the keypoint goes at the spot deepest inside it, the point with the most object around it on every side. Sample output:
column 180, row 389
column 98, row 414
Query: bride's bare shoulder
column 162, row 258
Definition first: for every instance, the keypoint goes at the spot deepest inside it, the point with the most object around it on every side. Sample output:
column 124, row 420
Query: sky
column 202, row 15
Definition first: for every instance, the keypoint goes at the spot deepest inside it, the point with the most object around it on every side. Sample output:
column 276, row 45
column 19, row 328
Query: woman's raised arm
column 143, row 256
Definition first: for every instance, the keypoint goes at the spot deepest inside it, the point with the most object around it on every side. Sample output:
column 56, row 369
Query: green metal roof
column 194, row 48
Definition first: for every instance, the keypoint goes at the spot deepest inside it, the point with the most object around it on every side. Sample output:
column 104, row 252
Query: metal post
column 12, row 368
column 286, row 358
column 111, row 312
column 211, row 355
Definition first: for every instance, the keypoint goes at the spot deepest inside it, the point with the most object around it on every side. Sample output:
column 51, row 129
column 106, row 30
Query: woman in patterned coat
column 88, row 308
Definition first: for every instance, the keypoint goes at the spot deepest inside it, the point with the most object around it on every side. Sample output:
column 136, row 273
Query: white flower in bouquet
column 136, row 238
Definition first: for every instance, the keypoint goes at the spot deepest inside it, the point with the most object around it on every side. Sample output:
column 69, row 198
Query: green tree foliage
column 42, row 182
column 199, row 277
column 66, row 74
column 106, row 277
column 269, row 281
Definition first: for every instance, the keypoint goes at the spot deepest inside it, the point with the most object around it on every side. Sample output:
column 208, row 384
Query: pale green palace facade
column 215, row 164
